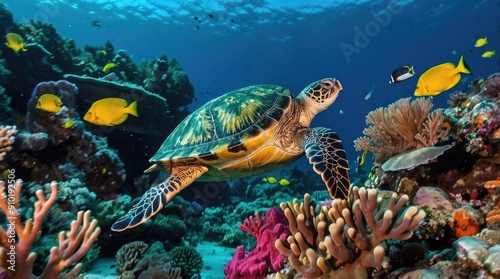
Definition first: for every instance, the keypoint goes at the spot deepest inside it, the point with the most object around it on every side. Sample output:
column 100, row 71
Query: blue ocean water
column 224, row 45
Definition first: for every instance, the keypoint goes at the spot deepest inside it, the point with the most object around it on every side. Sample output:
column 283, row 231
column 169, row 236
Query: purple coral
column 456, row 98
column 255, row 263
column 492, row 91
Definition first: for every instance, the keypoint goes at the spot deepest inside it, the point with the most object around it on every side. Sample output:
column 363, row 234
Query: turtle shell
column 228, row 127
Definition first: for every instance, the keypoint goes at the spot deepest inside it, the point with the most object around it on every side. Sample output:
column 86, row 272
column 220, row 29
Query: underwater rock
column 433, row 198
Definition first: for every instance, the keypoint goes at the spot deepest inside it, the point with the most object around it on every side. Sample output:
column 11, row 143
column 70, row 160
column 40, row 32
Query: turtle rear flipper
column 158, row 196
column 327, row 155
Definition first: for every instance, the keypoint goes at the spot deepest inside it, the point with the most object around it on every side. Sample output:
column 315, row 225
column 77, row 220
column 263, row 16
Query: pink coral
column 255, row 263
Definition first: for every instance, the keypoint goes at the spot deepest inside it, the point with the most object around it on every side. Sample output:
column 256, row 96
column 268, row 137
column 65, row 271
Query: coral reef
column 402, row 126
column 129, row 255
column 137, row 261
column 153, row 110
column 343, row 240
column 17, row 241
column 65, row 149
column 264, row 257
column 7, row 137
column 188, row 259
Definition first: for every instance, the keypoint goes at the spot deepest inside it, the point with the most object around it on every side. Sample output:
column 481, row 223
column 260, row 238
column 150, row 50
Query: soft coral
column 264, row 255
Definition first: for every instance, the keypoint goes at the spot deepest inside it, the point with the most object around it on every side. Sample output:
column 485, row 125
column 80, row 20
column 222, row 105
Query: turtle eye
column 327, row 84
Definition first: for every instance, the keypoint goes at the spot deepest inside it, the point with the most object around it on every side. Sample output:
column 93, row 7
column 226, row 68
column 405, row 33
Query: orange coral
column 492, row 184
column 493, row 216
column 465, row 223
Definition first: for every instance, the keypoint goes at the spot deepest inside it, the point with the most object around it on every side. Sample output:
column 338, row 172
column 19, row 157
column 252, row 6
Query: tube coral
column 16, row 242
column 343, row 239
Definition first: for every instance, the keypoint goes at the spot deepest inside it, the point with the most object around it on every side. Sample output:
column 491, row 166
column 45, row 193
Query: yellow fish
column 481, row 42
column 110, row 112
column 361, row 159
column 68, row 124
column 108, row 66
column 440, row 78
column 264, row 179
column 284, row 182
column 15, row 42
column 49, row 102
column 488, row 54
column 272, row 180
column 104, row 52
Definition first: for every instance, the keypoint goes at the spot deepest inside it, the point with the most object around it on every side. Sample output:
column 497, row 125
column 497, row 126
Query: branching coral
column 264, row 257
column 17, row 241
column 402, row 126
column 7, row 137
column 343, row 239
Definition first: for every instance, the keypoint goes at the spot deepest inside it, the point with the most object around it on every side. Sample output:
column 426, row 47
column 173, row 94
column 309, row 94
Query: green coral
column 168, row 227
column 109, row 211
column 188, row 259
column 434, row 224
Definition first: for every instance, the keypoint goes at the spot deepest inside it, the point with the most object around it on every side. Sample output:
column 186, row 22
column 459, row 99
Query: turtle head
column 319, row 95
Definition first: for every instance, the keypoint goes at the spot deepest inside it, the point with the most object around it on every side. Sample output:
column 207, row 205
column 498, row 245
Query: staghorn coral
column 342, row 240
column 402, row 126
column 7, row 138
column 17, row 241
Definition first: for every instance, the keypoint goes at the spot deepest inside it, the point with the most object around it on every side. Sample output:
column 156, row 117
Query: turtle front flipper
column 325, row 152
column 158, row 196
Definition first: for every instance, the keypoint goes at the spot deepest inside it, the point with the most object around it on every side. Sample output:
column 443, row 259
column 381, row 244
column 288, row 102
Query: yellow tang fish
column 488, row 54
column 49, row 102
column 108, row 66
column 272, row 179
column 440, row 78
column 481, row 42
column 110, row 111
column 15, row 42
column 68, row 124
column 284, row 182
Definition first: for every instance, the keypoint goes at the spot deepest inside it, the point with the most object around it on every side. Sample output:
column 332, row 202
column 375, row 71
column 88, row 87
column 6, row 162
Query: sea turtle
column 246, row 132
